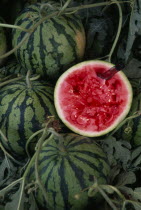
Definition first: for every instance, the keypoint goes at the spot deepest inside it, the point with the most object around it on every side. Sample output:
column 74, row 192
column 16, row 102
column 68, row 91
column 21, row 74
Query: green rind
column 66, row 175
column 61, row 115
column 23, row 110
column 12, row 67
column 52, row 46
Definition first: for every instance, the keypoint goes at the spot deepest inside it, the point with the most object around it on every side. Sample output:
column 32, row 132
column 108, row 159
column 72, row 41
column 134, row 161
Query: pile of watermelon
column 56, row 106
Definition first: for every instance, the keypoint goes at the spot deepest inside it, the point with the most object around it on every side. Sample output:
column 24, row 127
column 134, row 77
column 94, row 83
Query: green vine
column 64, row 10
column 46, row 134
column 118, row 31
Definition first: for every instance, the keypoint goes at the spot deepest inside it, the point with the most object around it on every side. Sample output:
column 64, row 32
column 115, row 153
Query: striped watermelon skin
column 23, row 110
column 13, row 67
column 131, row 131
column 65, row 174
column 54, row 45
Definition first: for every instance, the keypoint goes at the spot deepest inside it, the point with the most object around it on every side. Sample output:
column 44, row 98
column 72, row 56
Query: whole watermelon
column 23, row 110
column 67, row 171
column 54, row 45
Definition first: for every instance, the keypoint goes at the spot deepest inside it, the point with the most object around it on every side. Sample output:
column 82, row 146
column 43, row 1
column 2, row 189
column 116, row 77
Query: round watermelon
column 3, row 41
column 88, row 104
column 23, row 110
column 68, row 170
column 54, row 45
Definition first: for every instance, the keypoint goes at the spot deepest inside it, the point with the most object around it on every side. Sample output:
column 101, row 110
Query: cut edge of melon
column 115, row 123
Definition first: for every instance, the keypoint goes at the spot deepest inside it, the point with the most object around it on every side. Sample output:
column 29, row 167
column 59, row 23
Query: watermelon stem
column 73, row 9
column 28, row 82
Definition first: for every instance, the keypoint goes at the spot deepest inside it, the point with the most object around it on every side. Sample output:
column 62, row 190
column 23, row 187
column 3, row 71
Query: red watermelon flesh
column 88, row 104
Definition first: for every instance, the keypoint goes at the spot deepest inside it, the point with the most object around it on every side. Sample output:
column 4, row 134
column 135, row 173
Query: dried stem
column 6, row 153
column 65, row 6
column 5, row 25
column 28, row 82
column 38, row 180
column 107, row 198
column 17, row 47
column 39, row 146
column 67, row 10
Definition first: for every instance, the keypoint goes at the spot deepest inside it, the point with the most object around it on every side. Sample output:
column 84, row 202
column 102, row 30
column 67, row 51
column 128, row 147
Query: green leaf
column 118, row 152
column 126, row 178
column 137, row 194
column 33, row 205
column 127, row 205
column 2, row 207
column 114, row 173
column 136, row 158
column 127, row 191
column 7, row 171
column 108, row 189
column 17, row 199
column 6, row 191
column 134, row 27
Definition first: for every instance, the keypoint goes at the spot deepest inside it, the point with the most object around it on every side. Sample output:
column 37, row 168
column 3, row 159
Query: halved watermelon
column 89, row 105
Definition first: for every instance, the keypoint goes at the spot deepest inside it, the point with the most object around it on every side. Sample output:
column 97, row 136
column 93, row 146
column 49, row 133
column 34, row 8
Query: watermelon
column 131, row 130
column 12, row 67
column 23, row 110
column 67, row 171
column 3, row 41
column 54, row 45
column 88, row 104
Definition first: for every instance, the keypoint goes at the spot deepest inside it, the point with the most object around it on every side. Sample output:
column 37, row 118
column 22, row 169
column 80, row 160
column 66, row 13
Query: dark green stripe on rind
column 23, row 111
column 13, row 67
column 53, row 46
column 65, row 174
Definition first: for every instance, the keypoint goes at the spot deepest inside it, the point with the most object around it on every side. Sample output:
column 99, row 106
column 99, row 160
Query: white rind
column 89, row 133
